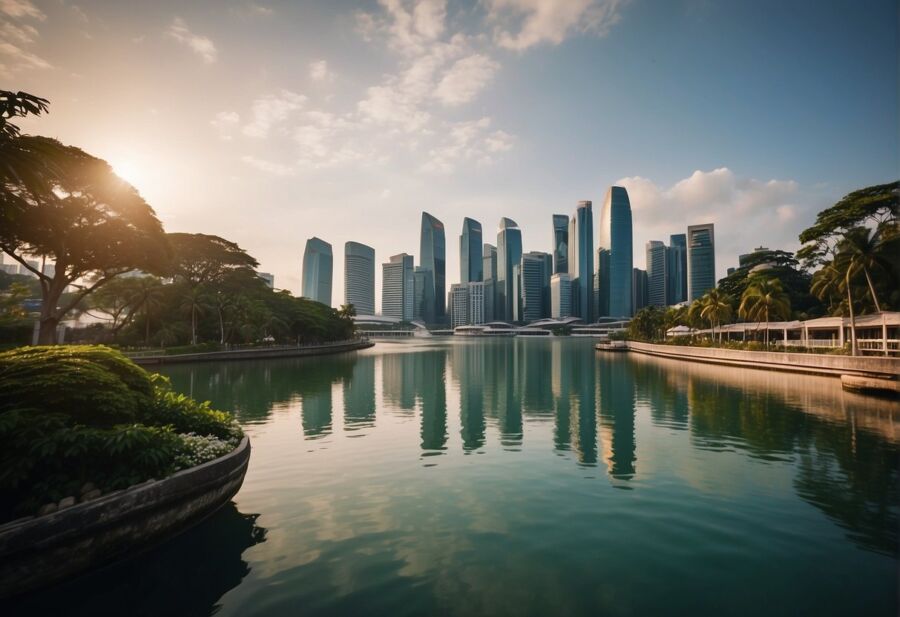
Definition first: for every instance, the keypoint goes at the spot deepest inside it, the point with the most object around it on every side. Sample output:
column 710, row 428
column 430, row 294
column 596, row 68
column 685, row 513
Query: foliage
column 765, row 300
column 782, row 265
column 647, row 325
column 76, row 415
column 714, row 308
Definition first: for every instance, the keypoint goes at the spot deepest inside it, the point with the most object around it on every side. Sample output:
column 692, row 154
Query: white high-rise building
column 397, row 284
column 561, row 295
column 459, row 305
column 476, row 303
column 359, row 277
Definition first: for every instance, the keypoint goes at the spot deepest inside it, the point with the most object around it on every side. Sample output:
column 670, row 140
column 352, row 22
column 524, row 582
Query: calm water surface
column 528, row 477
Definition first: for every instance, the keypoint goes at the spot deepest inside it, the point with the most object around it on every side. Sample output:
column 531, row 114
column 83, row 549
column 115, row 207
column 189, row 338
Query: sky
column 270, row 122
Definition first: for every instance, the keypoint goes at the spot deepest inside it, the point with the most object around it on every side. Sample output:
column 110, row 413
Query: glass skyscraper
column 489, row 270
column 616, row 236
column 657, row 274
column 676, row 262
column 423, row 294
column 701, row 260
column 532, row 286
column 470, row 257
column 317, row 270
column 433, row 256
column 397, row 282
column 581, row 261
column 639, row 292
column 509, row 254
column 560, row 243
column 359, row 277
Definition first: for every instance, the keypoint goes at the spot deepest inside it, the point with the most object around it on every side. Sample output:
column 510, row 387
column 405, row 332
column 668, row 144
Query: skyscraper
column 581, row 261
column 397, row 287
column 476, row 303
column 532, row 286
column 459, row 304
column 560, row 243
column 317, row 270
column 616, row 236
column 639, row 291
column 676, row 262
column 701, row 260
column 601, row 283
column 359, row 277
column 560, row 295
column 423, row 294
column 657, row 274
column 471, row 267
column 433, row 256
column 547, row 260
column 489, row 268
column 509, row 254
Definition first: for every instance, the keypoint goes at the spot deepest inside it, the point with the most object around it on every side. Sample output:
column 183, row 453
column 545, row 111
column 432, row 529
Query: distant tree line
column 112, row 257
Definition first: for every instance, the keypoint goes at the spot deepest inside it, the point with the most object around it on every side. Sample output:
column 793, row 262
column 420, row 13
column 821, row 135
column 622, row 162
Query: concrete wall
column 820, row 364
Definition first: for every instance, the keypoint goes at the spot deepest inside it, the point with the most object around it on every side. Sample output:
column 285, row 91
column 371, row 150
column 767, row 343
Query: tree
column 870, row 206
column 647, row 324
column 714, row 307
column 779, row 264
column 202, row 259
column 347, row 311
column 868, row 251
column 763, row 300
column 11, row 310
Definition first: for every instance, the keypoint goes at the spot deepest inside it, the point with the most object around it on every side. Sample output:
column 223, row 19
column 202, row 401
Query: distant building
column 531, row 293
column 317, row 271
column 581, row 261
column 601, row 283
column 560, row 243
column 676, row 264
column 10, row 268
column 509, row 254
column 547, row 260
column 459, row 305
column 701, row 260
column 397, row 282
column 471, row 265
column 268, row 277
column 657, row 274
column 476, row 303
column 745, row 259
column 560, row 295
column 433, row 256
column 423, row 295
column 489, row 271
column 615, row 231
column 639, row 289
column 359, row 277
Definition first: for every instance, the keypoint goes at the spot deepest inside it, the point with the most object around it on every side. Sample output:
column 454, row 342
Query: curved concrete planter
column 36, row 552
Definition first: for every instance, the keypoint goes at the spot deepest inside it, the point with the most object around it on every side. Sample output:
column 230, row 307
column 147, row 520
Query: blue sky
column 270, row 122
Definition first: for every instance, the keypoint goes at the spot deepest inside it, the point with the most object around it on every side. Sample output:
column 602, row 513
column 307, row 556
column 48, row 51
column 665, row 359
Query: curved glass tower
column 560, row 243
column 616, row 237
column 317, row 270
column 470, row 261
column 581, row 261
column 433, row 256
column 359, row 277
column 509, row 254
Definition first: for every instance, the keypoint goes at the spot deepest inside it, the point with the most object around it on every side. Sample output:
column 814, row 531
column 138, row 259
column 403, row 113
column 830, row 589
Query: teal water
column 528, row 477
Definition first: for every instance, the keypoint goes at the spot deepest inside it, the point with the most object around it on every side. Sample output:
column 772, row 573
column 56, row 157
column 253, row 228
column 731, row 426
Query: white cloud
column 22, row 34
column 747, row 212
column 225, row 122
column 269, row 167
column 260, row 9
column 524, row 23
column 21, row 9
column 466, row 141
column 318, row 71
column 270, row 110
column 201, row 45
column 14, row 58
column 465, row 79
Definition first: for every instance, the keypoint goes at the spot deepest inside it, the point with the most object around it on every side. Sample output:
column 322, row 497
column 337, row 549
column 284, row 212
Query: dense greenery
column 78, row 416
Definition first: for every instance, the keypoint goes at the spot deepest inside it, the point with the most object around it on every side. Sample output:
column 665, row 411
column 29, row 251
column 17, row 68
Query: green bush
column 76, row 415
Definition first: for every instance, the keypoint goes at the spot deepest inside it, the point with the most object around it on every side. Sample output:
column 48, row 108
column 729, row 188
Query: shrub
column 186, row 415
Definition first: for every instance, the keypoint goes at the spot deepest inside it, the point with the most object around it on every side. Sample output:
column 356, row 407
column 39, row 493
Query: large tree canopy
column 201, row 258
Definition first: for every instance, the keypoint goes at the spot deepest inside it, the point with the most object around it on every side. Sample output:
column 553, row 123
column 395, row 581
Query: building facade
column 318, row 263
column 489, row 271
column 397, row 282
column 639, row 289
column 359, row 277
column 560, row 243
column 561, row 295
column 423, row 295
column 476, row 303
column 471, row 265
column 509, row 254
column 676, row 262
column 615, row 231
column 581, row 261
column 701, row 260
column 433, row 256
column 459, row 305
column 531, row 295
column 657, row 274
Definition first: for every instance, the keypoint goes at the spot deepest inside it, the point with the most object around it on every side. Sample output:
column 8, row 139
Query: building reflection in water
column 398, row 381
column 359, row 395
column 469, row 369
column 615, row 385
column 433, row 397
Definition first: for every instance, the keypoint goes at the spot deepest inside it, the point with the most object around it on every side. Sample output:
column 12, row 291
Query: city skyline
column 761, row 145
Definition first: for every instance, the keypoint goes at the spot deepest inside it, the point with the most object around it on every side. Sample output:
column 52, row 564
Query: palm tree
column 866, row 250
column 195, row 302
column 763, row 300
column 149, row 295
column 715, row 307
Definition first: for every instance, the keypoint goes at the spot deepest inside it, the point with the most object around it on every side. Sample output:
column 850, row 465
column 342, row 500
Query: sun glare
column 128, row 171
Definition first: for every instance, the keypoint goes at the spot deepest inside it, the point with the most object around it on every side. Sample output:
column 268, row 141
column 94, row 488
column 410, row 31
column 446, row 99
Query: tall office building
column 547, row 260
column 639, row 289
column 471, row 266
column 560, row 295
column 676, row 262
column 616, row 236
column 423, row 294
column 560, row 243
column 476, row 302
column 532, row 286
column 397, row 282
column 601, row 283
column 459, row 305
column 359, row 277
column 657, row 274
column 701, row 260
column 581, row 260
column 433, row 256
column 317, row 270
column 509, row 254
column 489, row 271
